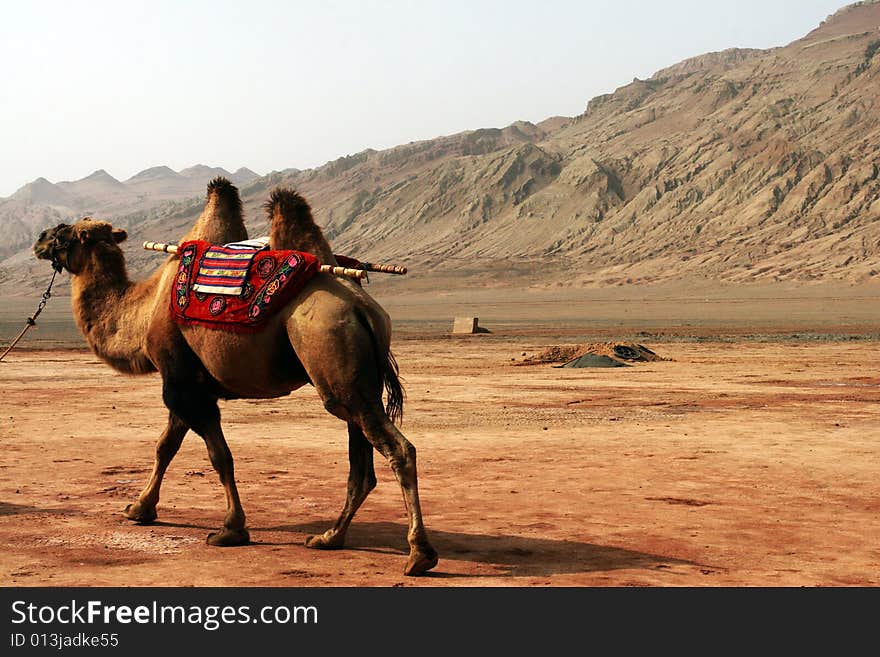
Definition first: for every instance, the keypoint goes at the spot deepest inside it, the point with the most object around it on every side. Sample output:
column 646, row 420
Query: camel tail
column 393, row 390
column 389, row 372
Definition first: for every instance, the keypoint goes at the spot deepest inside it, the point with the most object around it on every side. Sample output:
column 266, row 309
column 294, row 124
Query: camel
column 332, row 335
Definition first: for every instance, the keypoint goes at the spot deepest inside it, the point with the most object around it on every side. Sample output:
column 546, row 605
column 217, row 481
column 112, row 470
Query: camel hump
column 226, row 193
column 222, row 186
column 291, row 225
column 291, row 203
column 221, row 221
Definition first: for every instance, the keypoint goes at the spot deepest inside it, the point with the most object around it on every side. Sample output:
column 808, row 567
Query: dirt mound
column 619, row 351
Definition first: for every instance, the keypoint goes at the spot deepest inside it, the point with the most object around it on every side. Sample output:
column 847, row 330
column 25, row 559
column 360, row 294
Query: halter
column 58, row 245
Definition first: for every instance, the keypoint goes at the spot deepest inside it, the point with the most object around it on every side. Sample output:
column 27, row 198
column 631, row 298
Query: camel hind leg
column 361, row 480
column 392, row 444
column 343, row 359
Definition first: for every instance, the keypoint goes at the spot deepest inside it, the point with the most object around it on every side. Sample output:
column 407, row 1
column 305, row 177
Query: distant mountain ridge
column 740, row 166
column 41, row 191
column 41, row 203
column 64, row 193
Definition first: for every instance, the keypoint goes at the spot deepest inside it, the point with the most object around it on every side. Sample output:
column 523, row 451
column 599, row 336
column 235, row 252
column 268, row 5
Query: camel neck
column 112, row 312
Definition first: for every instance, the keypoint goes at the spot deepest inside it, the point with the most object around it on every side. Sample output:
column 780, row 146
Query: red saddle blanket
column 273, row 279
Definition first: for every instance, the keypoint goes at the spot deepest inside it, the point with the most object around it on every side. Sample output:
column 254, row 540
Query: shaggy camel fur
column 332, row 335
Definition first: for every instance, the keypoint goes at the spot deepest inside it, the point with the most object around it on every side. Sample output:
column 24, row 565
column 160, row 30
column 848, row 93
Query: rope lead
column 32, row 320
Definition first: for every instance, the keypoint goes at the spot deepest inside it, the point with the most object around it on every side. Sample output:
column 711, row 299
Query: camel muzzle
column 52, row 243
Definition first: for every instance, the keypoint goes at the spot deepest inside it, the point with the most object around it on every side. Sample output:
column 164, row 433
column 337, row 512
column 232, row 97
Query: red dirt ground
column 734, row 464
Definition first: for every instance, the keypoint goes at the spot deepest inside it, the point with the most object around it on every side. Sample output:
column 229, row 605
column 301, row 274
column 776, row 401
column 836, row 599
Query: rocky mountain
column 43, row 192
column 740, row 166
column 164, row 183
column 200, row 172
column 242, row 176
column 97, row 189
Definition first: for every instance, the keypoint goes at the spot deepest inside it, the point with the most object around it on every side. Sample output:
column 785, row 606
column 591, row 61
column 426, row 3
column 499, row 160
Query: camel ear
column 119, row 235
column 97, row 231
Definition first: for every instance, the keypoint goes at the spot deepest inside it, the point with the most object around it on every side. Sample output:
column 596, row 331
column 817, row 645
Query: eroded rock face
column 742, row 165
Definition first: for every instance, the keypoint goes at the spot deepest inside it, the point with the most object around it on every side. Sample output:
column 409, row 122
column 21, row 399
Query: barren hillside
column 742, row 165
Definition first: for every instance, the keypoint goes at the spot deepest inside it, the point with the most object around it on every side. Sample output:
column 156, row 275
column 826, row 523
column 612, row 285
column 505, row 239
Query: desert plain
column 749, row 457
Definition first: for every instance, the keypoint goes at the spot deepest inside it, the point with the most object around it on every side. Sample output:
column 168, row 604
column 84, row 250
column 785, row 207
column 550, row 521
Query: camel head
column 69, row 247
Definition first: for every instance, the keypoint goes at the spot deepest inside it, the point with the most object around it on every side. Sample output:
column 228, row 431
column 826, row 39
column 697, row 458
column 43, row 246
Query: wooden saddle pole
column 162, row 247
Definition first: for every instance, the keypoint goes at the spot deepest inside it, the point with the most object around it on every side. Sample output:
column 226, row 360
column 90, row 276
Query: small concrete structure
column 465, row 325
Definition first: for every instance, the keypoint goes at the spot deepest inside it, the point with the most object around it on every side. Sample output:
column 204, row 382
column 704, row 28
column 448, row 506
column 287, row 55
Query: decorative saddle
column 236, row 287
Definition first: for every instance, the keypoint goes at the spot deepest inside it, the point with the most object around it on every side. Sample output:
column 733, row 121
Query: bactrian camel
column 332, row 335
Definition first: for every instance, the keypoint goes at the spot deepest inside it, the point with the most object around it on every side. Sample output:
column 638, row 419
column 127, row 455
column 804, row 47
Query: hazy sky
column 126, row 85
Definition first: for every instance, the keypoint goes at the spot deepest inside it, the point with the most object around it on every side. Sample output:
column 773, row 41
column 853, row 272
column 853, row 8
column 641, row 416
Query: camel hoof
column 329, row 540
column 420, row 561
column 140, row 514
column 229, row 538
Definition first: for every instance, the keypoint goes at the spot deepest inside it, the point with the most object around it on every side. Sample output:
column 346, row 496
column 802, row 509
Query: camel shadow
column 515, row 555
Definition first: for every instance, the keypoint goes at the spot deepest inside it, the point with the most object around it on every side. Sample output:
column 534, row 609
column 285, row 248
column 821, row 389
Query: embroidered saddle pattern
column 224, row 269
column 272, row 279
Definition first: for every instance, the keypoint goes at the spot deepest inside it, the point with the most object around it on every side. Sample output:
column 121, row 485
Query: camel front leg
column 361, row 480
column 199, row 410
column 144, row 510
column 233, row 531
